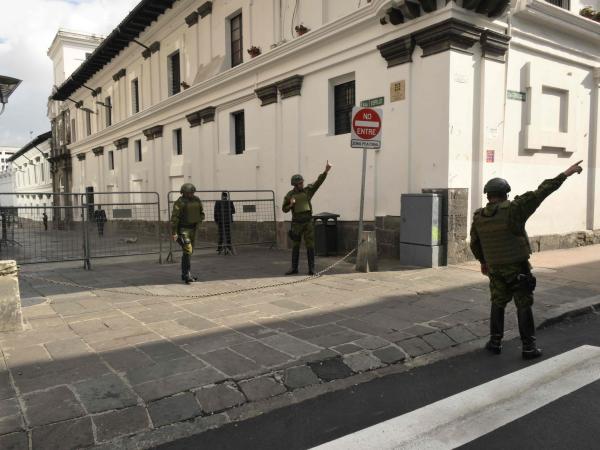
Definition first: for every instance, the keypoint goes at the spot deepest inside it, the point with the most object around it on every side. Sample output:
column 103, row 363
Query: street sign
column 366, row 128
column 516, row 95
column 370, row 103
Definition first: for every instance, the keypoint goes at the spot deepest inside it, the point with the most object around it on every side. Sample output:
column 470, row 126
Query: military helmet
column 496, row 186
column 187, row 187
column 297, row 179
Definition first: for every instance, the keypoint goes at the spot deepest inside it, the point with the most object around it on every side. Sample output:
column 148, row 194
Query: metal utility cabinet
column 420, row 230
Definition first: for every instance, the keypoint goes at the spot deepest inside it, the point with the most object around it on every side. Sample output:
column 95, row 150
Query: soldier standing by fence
column 298, row 200
column 186, row 216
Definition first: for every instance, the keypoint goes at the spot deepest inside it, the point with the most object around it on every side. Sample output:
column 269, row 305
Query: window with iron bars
column 239, row 133
column 344, row 100
column 237, row 55
column 565, row 4
column 174, row 69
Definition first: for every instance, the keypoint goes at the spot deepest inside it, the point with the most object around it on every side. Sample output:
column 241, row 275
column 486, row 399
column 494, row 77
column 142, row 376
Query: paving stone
column 164, row 387
column 330, row 369
column 50, row 406
column 14, row 441
column 480, row 329
column 361, row 362
column 162, row 351
column 67, row 348
column 415, row 347
column 327, row 335
column 230, row 362
column 104, row 393
column 318, row 318
column 291, row 305
column 290, row 345
column 196, row 323
column 165, row 369
column 346, row 349
column 72, row 434
column 174, row 409
column 217, row 398
column 460, row 334
column 261, row 354
column 438, row 340
column 261, row 388
column 299, row 376
column 127, row 359
column 371, row 342
column 214, row 341
column 121, row 422
column 10, row 416
column 389, row 355
column 6, row 389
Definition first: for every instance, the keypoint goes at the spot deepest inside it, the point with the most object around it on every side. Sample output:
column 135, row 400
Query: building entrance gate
column 56, row 227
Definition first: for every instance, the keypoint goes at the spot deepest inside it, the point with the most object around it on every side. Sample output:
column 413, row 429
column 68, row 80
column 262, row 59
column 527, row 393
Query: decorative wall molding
column 205, row 9
column 153, row 48
column 192, row 19
column 194, row 119
column 267, row 94
column 98, row 151
column 81, row 156
column 397, row 51
column 494, row 45
column 291, row 86
column 450, row 34
column 207, row 114
column 120, row 74
column 154, row 132
column 121, row 143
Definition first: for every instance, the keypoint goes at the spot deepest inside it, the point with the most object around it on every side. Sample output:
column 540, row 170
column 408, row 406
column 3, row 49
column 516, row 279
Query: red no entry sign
column 366, row 128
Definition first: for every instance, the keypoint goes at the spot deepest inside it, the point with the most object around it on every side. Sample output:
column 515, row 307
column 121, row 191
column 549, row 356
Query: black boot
column 295, row 259
column 527, row 332
column 310, row 255
column 494, row 345
column 186, row 265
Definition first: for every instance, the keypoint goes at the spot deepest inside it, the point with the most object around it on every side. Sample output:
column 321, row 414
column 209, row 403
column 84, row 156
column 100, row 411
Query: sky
column 27, row 28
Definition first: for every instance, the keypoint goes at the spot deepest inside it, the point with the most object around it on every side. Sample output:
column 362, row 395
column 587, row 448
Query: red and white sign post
column 366, row 134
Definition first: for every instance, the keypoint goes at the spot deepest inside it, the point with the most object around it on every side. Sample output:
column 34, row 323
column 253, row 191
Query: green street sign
column 516, row 95
column 372, row 102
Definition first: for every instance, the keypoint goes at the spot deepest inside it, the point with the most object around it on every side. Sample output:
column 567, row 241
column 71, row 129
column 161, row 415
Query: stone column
column 10, row 298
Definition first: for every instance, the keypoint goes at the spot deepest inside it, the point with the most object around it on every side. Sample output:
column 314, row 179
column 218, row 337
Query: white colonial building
column 241, row 94
column 32, row 180
column 7, row 176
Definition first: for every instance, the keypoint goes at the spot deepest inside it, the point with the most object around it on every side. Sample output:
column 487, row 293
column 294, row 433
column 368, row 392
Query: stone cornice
column 398, row 51
column 267, row 94
column 291, row 86
column 153, row 132
column 205, row 9
column 81, row 156
column 194, row 119
column 98, row 151
column 121, row 143
column 207, row 114
column 494, row 45
column 192, row 19
column 120, row 74
column 153, row 48
column 450, row 34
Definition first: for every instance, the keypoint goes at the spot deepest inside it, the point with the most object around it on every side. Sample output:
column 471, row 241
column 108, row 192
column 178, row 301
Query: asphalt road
column 572, row 421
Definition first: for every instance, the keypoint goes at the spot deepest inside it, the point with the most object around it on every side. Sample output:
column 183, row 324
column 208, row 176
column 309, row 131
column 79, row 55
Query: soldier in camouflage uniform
column 186, row 216
column 298, row 200
column 500, row 243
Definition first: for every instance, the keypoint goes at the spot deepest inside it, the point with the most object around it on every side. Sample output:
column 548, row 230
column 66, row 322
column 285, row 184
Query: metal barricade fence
column 78, row 226
column 41, row 227
column 245, row 217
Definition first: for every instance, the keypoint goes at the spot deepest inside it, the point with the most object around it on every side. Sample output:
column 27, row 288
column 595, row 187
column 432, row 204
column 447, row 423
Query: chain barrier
column 204, row 295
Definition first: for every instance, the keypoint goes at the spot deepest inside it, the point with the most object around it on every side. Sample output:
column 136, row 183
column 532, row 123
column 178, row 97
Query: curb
column 571, row 310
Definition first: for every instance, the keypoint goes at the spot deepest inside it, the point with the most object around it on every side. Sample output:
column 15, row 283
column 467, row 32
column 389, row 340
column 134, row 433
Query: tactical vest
column 192, row 211
column 499, row 244
column 303, row 204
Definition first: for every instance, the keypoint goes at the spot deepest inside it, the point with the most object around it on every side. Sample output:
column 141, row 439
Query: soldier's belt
column 302, row 219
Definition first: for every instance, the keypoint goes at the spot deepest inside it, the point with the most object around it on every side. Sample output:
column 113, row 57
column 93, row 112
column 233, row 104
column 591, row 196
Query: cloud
column 28, row 27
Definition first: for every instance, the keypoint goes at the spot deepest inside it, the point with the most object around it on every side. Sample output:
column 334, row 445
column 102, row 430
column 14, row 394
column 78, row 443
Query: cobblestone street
column 118, row 370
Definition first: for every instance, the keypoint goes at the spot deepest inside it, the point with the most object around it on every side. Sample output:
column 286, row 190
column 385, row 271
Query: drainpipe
column 593, row 149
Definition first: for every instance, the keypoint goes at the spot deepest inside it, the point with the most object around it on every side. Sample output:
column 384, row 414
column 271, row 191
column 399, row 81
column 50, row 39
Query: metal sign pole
column 362, row 196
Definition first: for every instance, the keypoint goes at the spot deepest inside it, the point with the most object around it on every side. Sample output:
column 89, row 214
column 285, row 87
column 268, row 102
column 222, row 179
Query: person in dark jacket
column 100, row 219
column 223, row 215
column 500, row 243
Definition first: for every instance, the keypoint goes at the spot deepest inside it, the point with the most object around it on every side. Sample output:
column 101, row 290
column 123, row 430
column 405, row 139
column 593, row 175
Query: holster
column 182, row 240
column 294, row 236
column 526, row 282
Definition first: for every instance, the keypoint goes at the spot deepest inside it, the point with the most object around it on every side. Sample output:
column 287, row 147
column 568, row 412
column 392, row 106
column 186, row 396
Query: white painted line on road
column 463, row 417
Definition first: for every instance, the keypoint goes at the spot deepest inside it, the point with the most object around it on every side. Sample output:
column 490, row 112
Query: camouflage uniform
column 499, row 240
column 302, row 226
column 186, row 216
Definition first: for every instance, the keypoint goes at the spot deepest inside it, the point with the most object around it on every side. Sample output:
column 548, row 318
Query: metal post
column 158, row 226
column 362, row 196
column 86, row 239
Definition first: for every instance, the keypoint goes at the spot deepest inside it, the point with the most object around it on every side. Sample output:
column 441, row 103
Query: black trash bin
column 326, row 233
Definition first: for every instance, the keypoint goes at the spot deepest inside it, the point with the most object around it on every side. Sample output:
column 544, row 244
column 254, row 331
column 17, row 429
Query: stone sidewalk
column 117, row 370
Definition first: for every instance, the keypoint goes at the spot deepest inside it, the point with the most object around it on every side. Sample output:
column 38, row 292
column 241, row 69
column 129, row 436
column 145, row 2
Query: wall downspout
column 593, row 150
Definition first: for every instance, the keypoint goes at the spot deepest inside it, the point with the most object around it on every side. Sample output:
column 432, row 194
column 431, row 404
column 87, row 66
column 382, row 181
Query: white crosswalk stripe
column 463, row 417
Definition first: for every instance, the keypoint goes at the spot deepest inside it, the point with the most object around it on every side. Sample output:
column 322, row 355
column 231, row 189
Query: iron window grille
column 174, row 73
column 177, row 138
column 138, row 150
column 108, row 109
column 135, row 96
column 344, row 101
column 111, row 160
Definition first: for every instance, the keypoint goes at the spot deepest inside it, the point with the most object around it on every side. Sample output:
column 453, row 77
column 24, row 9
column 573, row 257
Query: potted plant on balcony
column 588, row 12
column 301, row 29
column 254, row 51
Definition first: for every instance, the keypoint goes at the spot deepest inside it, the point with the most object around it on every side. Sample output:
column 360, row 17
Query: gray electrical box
column 420, row 230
